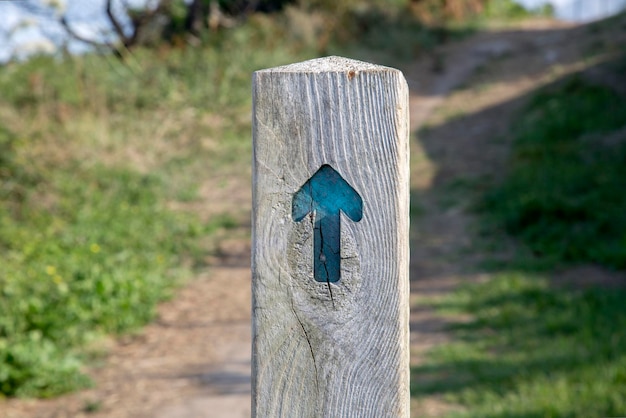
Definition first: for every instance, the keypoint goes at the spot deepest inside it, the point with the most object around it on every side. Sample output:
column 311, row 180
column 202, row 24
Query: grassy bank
column 563, row 196
column 100, row 166
column 527, row 346
column 85, row 252
column 532, row 351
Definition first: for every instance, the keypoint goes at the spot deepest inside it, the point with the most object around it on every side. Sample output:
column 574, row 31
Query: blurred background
column 125, row 164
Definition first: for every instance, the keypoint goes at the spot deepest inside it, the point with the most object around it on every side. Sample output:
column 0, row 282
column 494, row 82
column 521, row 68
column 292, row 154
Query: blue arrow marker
column 325, row 194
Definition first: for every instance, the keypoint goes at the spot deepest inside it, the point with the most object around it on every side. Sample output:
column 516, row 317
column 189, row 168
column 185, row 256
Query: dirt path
column 194, row 361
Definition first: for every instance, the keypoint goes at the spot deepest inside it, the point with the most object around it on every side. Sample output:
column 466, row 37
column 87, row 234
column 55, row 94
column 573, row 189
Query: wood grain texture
column 331, row 349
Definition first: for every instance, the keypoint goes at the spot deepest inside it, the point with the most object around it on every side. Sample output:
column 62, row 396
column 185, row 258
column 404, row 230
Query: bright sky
column 22, row 33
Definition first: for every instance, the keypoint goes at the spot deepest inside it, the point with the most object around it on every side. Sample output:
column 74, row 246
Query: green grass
column 510, row 10
column 93, row 153
column 564, row 194
column 85, row 251
column 531, row 351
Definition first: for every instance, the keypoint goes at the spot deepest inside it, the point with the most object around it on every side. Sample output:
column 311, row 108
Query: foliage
column 512, row 10
column 563, row 195
column 531, row 351
column 399, row 36
column 438, row 12
column 505, row 9
column 94, row 154
column 84, row 252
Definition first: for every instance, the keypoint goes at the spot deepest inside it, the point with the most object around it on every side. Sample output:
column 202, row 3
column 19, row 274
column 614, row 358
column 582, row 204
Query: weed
column 92, row 406
column 95, row 261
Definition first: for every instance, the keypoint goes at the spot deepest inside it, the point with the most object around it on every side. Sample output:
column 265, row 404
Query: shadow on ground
column 516, row 332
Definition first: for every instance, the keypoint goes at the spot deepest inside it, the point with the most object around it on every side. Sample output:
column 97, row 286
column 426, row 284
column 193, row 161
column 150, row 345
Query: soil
column 194, row 360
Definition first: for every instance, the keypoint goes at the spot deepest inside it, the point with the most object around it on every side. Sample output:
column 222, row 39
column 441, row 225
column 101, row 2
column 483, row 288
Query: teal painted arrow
column 325, row 194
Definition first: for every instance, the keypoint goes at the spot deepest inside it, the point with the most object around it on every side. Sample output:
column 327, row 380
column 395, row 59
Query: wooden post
column 330, row 252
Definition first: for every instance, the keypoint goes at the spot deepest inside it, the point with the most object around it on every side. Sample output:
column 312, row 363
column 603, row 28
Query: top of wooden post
column 332, row 64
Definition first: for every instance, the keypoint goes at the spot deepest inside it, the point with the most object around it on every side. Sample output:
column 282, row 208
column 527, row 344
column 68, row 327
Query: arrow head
column 326, row 193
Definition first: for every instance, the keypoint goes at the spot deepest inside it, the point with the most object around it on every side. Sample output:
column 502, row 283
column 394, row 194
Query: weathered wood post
column 330, row 250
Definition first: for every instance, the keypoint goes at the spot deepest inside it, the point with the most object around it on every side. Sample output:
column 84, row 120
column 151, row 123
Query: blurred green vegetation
column 509, row 9
column 526, row 344
column 94, row 153
column 530, row 351
column 98, row 159
column 94, row 258
column 564, row 194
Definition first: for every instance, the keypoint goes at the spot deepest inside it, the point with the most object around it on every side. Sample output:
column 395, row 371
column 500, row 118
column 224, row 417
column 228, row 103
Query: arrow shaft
column 327, row 194
column 327, row 252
